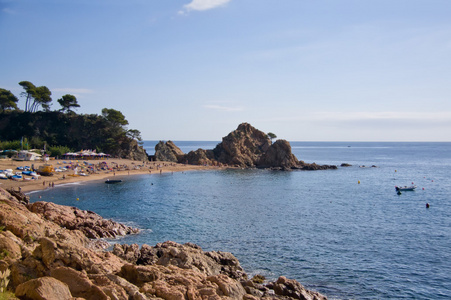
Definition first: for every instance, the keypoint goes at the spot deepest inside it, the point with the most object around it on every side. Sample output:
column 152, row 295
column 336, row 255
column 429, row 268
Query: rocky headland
column 245, row 147
column 55, row 252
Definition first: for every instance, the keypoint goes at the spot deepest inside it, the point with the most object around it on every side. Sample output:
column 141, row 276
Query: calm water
column 341, row 238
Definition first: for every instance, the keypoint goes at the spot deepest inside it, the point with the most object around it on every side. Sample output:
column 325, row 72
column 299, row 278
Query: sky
column 306, row 70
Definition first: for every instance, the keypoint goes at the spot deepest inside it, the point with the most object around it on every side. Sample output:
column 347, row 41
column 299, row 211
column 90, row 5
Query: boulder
column 200, row 157
column 48, row 261
column 21, row 197
column 88, row 222
column 9, row 246
column 278, row 155
column 293, row 289
column 168, row 152
column 44, row 288
column 133, row 151
column 79, row 284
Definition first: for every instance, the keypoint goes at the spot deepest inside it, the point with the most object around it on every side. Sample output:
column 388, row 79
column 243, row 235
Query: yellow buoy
column 358, row 182
column 78, row 199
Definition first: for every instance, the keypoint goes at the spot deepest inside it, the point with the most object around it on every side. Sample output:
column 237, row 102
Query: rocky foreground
column 245, row 147
column 54, row 252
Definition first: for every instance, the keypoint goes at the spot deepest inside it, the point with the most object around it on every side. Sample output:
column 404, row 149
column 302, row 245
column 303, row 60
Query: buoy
column 396, row 171
column 358, row 182
column 427, row 205
column 423, row 189
column 78, row 199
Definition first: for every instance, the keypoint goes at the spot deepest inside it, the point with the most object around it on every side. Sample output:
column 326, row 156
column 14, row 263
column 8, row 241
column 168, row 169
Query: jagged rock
column 133, row 151
column 9, row 246
column 245, row 147
column 314, row 167
column 44, row 288
column 88, row 222
column 293, row 289
column 345, row 165
column 278, row 155
column 167, row 152
column 21, row 197
column 200, row 157
column 79, row 284
column 168, row 270
column 242, row 147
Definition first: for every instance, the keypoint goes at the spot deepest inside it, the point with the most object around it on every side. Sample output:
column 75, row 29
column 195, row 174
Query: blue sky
column 306, row 70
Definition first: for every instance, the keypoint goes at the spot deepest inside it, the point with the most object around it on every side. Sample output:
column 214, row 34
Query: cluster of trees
column 63, row 129
column 36, row 97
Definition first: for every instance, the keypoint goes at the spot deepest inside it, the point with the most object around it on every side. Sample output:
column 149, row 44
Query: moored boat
column 405, row 188
column 108, row 181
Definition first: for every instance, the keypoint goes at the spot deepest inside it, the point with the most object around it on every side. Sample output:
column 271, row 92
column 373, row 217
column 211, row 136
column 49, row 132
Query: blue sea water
column 344, row 233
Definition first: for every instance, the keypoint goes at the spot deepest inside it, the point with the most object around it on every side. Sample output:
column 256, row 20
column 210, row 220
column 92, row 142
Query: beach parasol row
column 86, row 154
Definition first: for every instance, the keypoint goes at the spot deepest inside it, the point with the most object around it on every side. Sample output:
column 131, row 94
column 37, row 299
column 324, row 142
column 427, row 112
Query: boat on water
column 405, row 188
column 46, row 170
column 108, row 181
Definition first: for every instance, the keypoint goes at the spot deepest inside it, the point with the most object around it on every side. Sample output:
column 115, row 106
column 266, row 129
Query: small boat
column 16, row 177
column 405, row 188
column 46, row 170
column 108, row 181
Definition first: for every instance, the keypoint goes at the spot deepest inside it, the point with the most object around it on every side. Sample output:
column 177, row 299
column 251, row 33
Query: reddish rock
column 38, row 246
column 88, row 222
column 168, row 152
column 44, row 288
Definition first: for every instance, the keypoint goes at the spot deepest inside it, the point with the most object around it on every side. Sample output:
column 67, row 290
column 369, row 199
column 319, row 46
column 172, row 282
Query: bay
column 345, row 233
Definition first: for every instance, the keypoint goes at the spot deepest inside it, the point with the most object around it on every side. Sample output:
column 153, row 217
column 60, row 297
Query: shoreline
column 127, row 167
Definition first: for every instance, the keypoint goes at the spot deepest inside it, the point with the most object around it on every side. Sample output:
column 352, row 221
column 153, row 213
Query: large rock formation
column 242, row 147
column 51, row 257
column 245, row 147
column 168, row 152
column 278, row 156
column 134, row 151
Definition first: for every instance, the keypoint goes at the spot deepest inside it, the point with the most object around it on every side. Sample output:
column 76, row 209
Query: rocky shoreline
column 58, row 252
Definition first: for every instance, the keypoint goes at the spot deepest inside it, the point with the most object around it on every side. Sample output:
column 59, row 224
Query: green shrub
column 58, row 150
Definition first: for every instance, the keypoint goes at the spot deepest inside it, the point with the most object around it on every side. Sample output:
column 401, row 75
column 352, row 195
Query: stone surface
column 90, row 223
column 44, row 288
column 168, row 152
column 242, row 147
column 49, row 261
column 245, row 147
column 278, row 156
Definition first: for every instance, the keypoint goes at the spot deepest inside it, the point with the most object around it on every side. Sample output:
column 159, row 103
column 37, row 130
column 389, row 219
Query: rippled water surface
column 346, row 239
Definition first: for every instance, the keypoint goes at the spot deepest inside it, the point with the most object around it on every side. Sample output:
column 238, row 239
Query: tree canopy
column 272, row 136
column 35, row 96
column 7, row 100
column 67, row 102
column 63, row 128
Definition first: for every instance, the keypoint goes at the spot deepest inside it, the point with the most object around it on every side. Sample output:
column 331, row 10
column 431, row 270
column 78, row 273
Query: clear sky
column 306, row 70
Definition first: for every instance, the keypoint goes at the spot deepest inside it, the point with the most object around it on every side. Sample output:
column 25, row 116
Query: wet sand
column 119, row 168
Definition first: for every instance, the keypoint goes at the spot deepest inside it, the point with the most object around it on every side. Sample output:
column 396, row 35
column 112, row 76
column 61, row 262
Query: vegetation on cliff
column 63, row 129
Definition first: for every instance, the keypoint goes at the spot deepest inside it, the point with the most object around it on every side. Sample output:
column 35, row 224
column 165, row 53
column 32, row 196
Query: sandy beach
column 117, row 169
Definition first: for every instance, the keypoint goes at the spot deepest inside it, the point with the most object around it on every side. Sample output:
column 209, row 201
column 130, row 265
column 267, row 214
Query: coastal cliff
column 48, row 252
column 245, row 147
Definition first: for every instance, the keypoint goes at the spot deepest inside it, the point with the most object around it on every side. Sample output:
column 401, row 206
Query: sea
column 345, row 233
